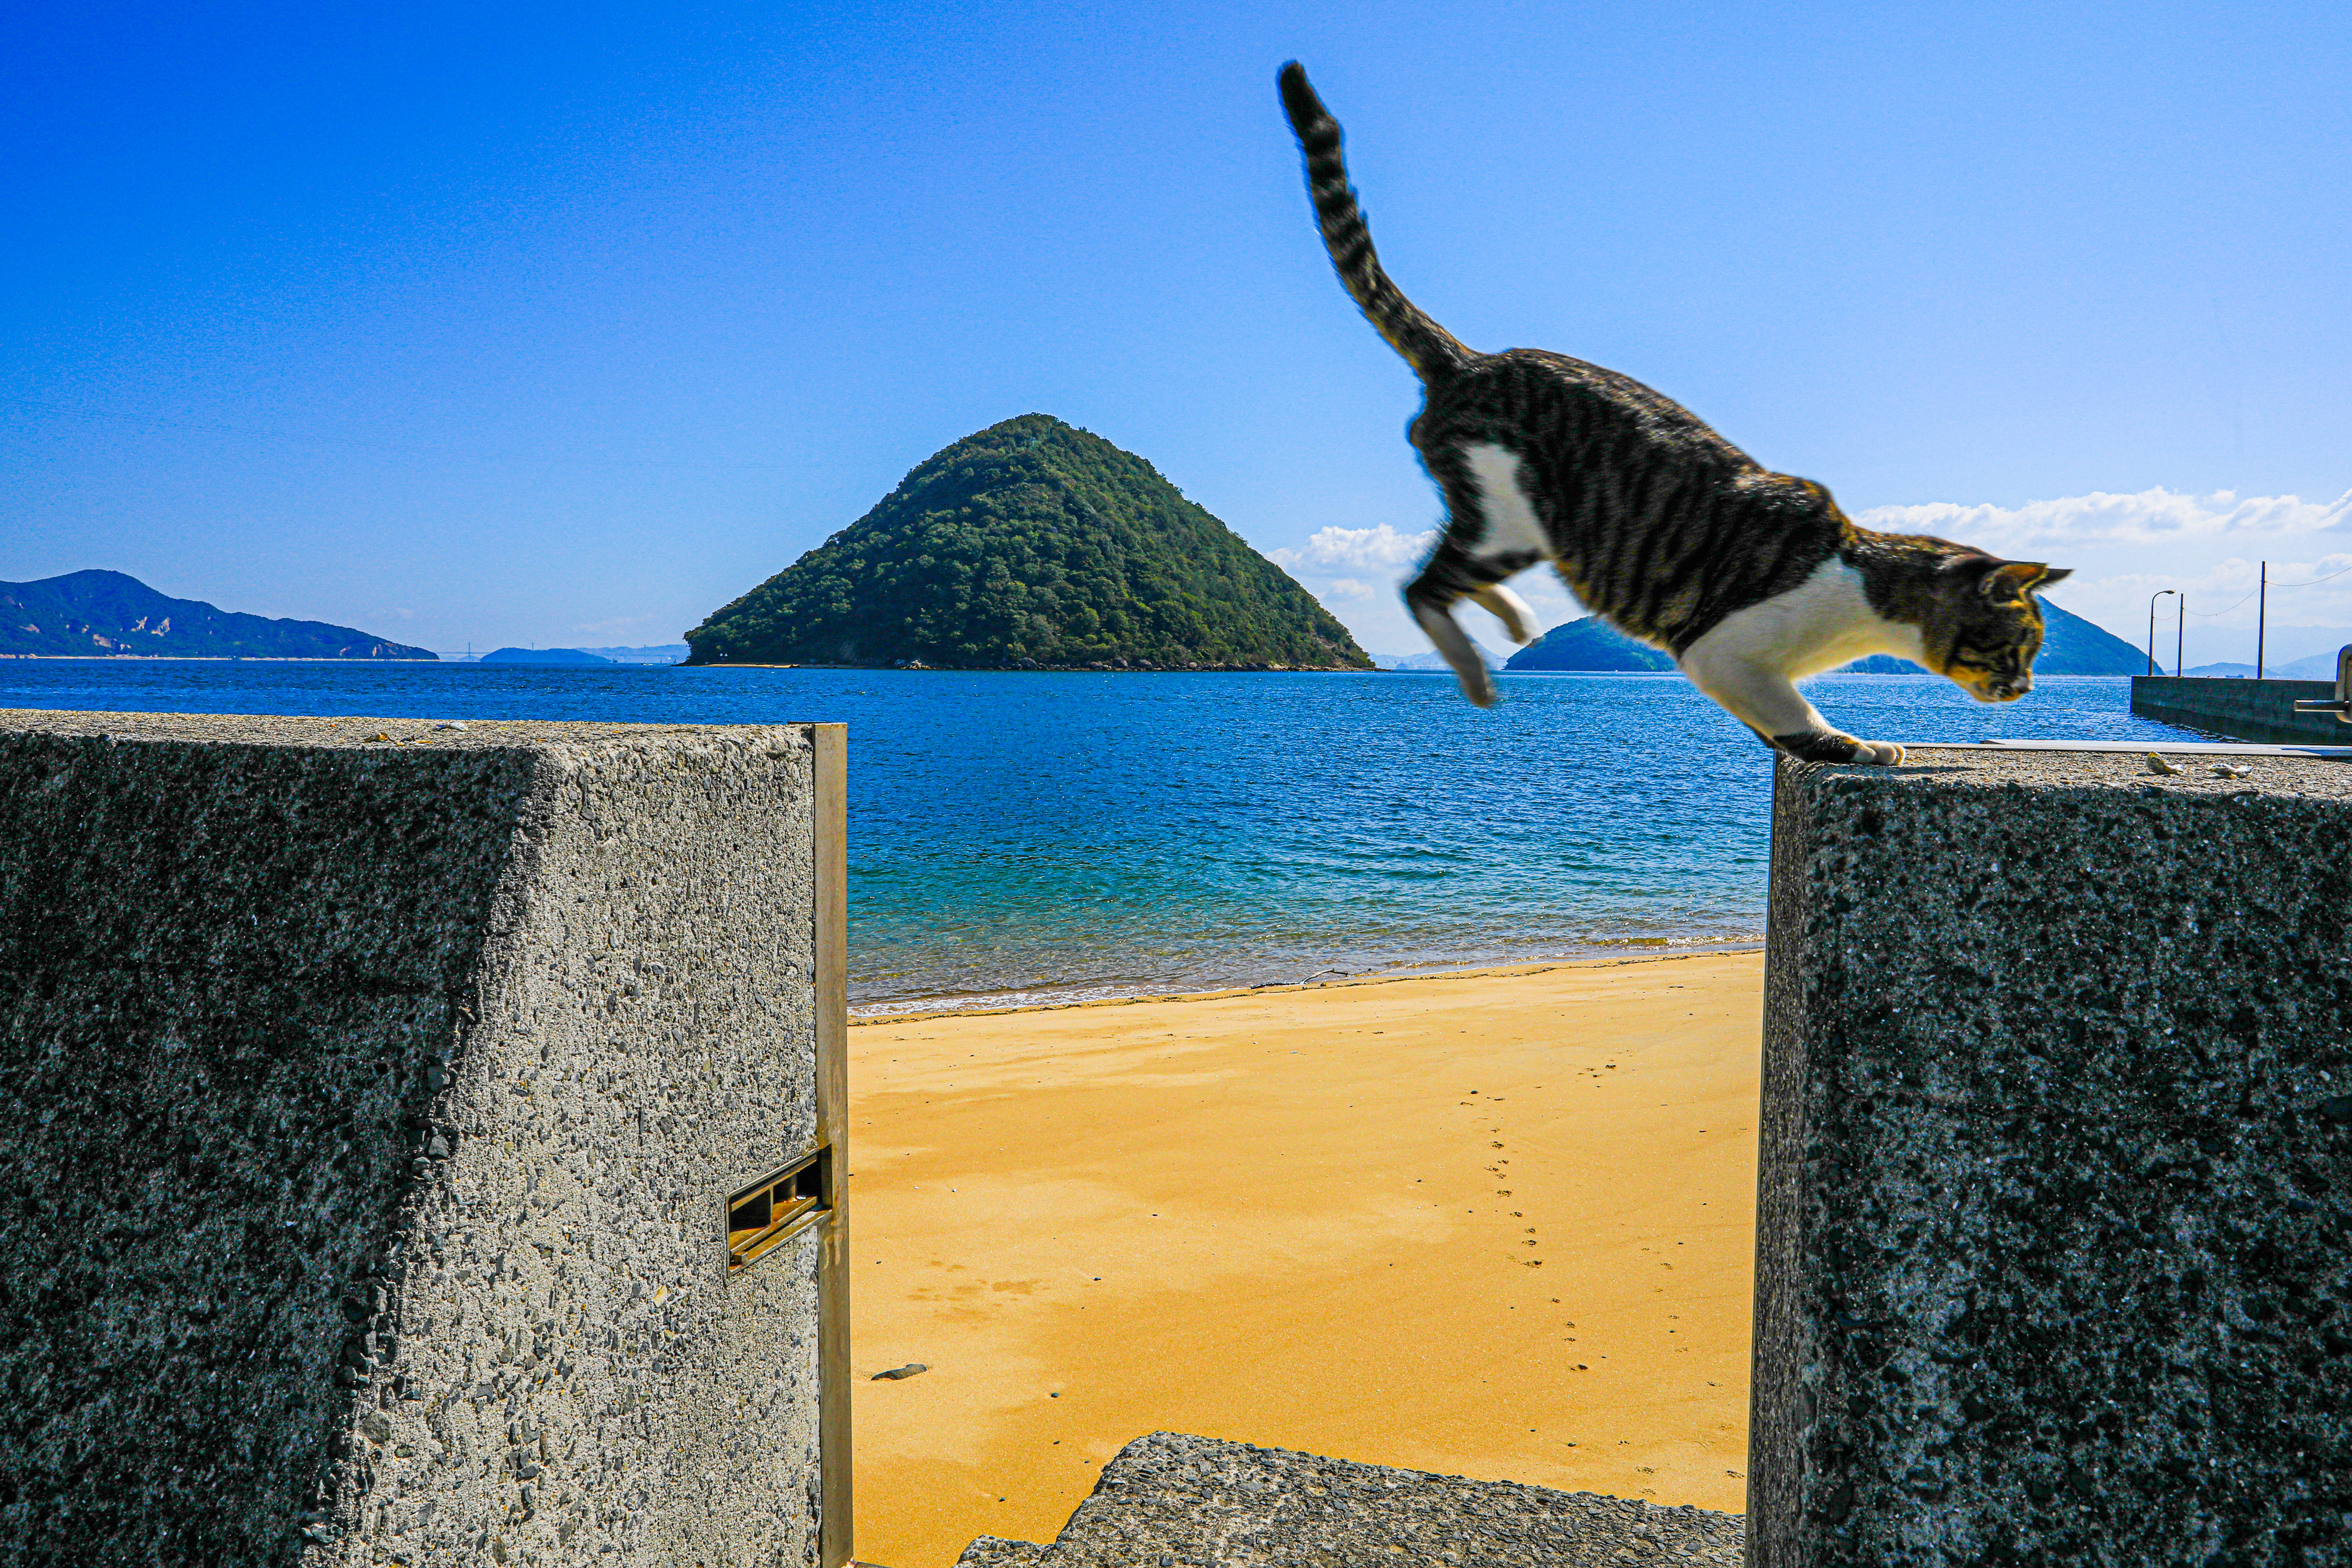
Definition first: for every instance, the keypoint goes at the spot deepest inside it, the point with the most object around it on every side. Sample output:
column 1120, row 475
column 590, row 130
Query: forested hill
column 106, row 615
column 1032, row 546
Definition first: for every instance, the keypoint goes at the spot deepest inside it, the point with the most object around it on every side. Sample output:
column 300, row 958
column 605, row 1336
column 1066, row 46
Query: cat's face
column 1986, row 627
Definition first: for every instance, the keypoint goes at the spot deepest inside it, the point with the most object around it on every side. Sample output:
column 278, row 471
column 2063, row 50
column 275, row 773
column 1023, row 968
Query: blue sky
column 565, row 325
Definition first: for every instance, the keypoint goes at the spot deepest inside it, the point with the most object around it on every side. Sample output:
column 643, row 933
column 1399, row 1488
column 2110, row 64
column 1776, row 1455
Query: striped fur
column 1658, row 524
column 1429, row 348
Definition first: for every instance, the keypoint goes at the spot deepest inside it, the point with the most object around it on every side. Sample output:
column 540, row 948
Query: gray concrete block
column 2054, row 1250
column 995, row 1551
column 1177, row 1501
column 374, row 1093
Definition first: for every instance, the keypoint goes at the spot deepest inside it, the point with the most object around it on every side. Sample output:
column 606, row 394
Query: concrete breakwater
column 2053, row 1204
column 2260, row 710
column 389, row 1105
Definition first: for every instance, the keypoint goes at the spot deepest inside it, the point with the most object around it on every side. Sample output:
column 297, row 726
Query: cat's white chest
column 1816, row 625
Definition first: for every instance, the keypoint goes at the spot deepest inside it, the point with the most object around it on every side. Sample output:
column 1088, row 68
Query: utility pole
column 2179, row 630
column 2262, row 616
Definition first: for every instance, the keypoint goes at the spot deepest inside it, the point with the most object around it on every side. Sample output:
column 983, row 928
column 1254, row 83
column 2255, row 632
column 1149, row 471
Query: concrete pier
column 2261, row 710
column 2054, row 1252
column 375, row 1095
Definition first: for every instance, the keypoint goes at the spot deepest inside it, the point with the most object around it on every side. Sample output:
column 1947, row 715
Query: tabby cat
column 1667, row 532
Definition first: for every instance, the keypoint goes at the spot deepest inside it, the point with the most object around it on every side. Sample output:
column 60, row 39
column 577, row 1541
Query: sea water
column 1032, row 836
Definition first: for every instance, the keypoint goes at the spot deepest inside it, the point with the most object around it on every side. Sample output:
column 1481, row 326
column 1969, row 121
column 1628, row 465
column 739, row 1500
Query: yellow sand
column 1497, row 1225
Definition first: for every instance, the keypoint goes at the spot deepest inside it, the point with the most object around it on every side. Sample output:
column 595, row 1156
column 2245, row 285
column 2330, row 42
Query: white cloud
column 1358, row 549
column 2151, row 517
column 2207, row 549
column 2315, row 594
column 1347, row 588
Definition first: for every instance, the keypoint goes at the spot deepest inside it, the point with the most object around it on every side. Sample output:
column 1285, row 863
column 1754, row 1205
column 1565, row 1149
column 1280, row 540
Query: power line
column 2315, row 582
column 2209, row 615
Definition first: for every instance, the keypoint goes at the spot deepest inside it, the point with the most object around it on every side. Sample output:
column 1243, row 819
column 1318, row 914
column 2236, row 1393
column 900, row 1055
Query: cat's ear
column 2012, row 580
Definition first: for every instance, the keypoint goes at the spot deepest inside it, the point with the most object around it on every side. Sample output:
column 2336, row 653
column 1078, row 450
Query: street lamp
column 2152, row 598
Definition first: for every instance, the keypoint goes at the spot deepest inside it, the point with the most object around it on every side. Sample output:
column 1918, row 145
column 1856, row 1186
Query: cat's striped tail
column 1430, row 348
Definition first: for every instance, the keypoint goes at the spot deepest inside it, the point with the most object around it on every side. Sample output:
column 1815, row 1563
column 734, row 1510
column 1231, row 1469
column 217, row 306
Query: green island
column 1032, row 546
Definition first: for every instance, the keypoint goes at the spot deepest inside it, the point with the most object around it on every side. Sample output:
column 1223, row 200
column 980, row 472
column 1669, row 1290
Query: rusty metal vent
column 777, row 1206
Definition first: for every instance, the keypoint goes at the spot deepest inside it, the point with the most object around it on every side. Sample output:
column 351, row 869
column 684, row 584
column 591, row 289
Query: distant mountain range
column 106, row 615
column 2318, row 667
column 1433, row 659
column 657, row 652
column 2071, row 645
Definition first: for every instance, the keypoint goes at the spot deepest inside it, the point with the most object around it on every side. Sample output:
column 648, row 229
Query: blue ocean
column 1021, row 838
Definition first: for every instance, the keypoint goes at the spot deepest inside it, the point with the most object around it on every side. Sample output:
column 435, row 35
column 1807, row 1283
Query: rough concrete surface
column 374, row 1102
column 2055, row 1253
column 1174, row 1501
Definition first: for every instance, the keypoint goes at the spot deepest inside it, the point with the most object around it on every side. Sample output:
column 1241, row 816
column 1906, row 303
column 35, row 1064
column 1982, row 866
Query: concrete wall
column 2054, row 1250
column 373, row 1094
column 2261, row 710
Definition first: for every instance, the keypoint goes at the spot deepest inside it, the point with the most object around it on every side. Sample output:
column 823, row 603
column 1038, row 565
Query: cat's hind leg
column 1451, row 575
column 1508, row 607
column 1510, row 538
column 1438, row 621
column 1765, row 701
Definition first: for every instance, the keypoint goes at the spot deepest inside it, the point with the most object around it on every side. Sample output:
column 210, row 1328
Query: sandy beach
column 1495, row 1225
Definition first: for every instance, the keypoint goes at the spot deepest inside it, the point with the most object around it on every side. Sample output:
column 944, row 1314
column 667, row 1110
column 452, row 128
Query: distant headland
column 1032, row 546
column 106, row 615
column 571, row 655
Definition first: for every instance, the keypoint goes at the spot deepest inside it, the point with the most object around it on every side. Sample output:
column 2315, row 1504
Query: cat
column 1750, row 579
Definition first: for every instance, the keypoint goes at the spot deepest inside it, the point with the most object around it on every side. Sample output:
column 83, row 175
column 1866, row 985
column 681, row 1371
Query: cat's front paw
column 1833, row 747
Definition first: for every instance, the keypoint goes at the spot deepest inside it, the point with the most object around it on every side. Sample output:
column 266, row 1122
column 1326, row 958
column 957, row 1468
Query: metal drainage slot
column 2342, row 705
column 777, row 1206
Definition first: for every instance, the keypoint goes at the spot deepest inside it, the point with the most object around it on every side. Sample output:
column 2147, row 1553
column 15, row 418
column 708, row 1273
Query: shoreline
column 919, row 1013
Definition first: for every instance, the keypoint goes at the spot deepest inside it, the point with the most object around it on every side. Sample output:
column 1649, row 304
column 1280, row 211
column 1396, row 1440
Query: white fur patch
column 1512, row 526
column 1821, row 623
column 1752, row 659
